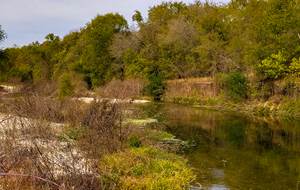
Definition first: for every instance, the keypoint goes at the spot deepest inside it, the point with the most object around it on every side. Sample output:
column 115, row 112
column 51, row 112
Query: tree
column 137, row 17
column 123, row 44
column 274, row 67
column 3, row 62
column 278, row 28
column 2, row 34
column 49, row 49
column 166, row 11
column 93, row 45
column 177, row 43
column 156, row 86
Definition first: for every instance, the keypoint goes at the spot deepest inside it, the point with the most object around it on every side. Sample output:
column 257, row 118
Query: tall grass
column 131, row 88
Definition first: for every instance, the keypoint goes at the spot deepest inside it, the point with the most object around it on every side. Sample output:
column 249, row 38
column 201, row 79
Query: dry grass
column 122, row 89
column 192, row 87
column 36, row 153
column 104, row 131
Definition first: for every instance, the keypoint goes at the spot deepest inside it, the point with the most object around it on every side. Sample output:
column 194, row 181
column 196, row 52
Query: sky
column 26, row 21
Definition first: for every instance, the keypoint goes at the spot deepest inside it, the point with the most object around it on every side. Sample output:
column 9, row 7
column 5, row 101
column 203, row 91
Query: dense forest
column 257, row 39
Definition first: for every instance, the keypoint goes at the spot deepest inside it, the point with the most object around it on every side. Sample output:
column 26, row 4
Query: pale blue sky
column 26, row 21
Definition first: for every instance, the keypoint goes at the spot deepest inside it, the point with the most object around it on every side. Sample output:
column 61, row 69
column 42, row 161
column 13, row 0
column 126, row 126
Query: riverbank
column 100, row 136
column 224, row 141
column 286, row 108
column 146, row 145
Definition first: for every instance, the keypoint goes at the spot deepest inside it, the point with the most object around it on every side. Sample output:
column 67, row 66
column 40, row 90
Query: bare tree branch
column 31, row 176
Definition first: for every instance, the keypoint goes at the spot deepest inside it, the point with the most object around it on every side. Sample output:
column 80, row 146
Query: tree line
column 176, row 40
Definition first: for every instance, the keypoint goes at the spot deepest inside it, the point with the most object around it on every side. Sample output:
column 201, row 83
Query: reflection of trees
column 253, row 154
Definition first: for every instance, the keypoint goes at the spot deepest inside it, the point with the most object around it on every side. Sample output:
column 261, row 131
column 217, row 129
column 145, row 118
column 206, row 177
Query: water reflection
column 236, row 152
column 218, row 187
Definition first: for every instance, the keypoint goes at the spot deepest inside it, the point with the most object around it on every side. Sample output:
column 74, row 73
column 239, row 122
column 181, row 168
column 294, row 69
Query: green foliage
column 289, row 88
column 277, row 28
column 2, row 34
column 166, row 11
column 72, row 132
column 147, row 168
column 137, row 17
column 235, row 86
column 4, row 66
column 157, row 135
column 291, row 108
column 176, row 41
column 134, row 142
column 295, row 66
column 274, row 67
column 66, row 87
column 266, row 90
column 156, row 86
column 95, row 61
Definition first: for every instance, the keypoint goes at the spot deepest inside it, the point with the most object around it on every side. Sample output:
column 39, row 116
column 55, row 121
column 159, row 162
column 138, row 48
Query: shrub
column 104, row 131
column 134, row 141
column 289, row 88
column 266, row 90
column 32, row 154
column 37, row 107
column 235, row 85
column 66, row 87
column 295, row 66
column 290, row 108
column 156, row 86
column 273, row 67
column 147, row 168
column 122, row 89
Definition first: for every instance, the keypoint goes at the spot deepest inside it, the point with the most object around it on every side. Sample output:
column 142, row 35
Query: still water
column 233, row 151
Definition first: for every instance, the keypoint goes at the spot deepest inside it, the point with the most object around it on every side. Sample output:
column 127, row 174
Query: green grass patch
column 72, row 133
column 158, row 135
column 140, row 122
column 147, row 168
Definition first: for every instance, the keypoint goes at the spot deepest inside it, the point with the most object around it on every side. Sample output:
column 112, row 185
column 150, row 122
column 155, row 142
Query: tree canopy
column 178, row 40
column 2, row 34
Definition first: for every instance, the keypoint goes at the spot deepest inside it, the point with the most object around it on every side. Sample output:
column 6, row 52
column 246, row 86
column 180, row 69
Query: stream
column 232, row 151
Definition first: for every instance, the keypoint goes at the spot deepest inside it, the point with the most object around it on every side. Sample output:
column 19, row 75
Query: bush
column 289, row 88
column 156, row 86
column 290, row 108
column 122, row 89
column 295, row 67
column 235, row 85
column 33, row 156
column 266, row 90
column 273, row 67
column 104, row 131
column 147, row 168
column 66, row 87
column 135, row 142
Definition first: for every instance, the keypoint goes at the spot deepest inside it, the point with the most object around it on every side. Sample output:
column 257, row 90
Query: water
column 232, row 151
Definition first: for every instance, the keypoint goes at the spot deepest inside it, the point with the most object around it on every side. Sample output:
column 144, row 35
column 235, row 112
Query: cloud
column 26, row 21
